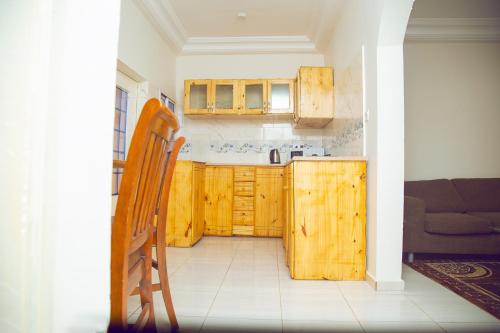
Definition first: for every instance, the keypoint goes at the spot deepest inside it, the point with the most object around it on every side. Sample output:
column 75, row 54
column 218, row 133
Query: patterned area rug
column 477, row 280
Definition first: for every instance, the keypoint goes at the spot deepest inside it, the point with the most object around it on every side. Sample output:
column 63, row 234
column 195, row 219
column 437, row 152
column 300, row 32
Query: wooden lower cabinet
column 326, row 220
column 269, row 209
column 185, row 216
column 218, row 200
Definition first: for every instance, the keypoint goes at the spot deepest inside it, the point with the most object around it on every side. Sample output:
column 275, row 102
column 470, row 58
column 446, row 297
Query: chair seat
column 456, row 224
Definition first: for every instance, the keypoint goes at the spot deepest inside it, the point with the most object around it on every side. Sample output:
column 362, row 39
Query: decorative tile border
column 251, row 146
column 351, row 132
column 259, row 147
column 186, row 148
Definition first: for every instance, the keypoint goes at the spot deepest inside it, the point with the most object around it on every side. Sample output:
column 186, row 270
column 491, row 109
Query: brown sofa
column 459, row 216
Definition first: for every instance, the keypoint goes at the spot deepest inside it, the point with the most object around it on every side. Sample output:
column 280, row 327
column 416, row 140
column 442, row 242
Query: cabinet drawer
column 243, row 217
column 244, row 230
column 244, row 174
column 243, row 188
column 243, row 203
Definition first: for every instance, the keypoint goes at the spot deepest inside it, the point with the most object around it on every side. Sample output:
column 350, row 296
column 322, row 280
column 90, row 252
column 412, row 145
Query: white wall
column 57, row 85
column 377, row 28
column 142, row 49
column 452, row 110
column 201, row 132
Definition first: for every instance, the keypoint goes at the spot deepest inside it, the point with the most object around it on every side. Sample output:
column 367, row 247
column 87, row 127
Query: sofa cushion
column 479, row 194
column 456, row 224
column 493, row 217
column 439, row 195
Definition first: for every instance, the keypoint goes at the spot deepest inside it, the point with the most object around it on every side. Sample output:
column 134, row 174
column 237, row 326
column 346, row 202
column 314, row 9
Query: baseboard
column 384, row 285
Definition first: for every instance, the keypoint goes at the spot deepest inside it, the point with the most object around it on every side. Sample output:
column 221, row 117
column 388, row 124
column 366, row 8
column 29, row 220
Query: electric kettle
column 274, row 156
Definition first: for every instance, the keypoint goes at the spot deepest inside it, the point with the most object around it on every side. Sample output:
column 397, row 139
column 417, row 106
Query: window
column 120, row 135
column 168, row 102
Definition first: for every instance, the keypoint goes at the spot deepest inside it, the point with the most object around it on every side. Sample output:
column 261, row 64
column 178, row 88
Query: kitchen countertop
column 246, row 164
column 295, row 159
column 329, row 158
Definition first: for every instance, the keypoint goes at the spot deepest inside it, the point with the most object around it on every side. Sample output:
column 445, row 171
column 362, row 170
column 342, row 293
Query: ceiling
column 203, row 18
column 213, row 26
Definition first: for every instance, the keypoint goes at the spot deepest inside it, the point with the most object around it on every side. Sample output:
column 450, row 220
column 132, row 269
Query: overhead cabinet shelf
column 309, row 99
column 239, row 97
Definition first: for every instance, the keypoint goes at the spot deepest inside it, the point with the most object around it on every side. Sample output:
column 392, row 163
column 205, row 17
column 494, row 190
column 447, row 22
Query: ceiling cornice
column 249, row 44
column 453, row 29
column 162, row 16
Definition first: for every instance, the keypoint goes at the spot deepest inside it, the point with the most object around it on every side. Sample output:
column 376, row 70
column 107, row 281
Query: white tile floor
column 242, row 284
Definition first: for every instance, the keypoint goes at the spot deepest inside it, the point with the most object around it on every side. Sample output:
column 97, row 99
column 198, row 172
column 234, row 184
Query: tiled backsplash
column 247, row 151
column 244, row 140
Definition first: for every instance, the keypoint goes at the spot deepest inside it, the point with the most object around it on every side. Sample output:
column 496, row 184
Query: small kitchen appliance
column 294, row 153
column 274, row 156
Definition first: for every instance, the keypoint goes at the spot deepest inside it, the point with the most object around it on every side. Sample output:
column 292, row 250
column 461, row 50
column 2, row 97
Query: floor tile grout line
column 418, row 306
column 179, row 266
column 350, row 307
column 220, row 287
column 422, row 309
column 279, row 287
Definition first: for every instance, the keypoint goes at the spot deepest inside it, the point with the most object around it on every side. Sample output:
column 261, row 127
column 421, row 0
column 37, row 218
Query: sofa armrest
column 414, row 211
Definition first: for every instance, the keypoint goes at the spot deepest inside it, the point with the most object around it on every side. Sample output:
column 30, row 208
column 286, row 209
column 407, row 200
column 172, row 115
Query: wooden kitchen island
column 316, row 204
column 325, row 227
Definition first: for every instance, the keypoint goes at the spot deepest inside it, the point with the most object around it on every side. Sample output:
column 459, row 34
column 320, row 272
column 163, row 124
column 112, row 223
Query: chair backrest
column 132, row 231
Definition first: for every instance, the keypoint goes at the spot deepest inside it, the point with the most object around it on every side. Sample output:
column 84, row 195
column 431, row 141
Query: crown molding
column 453, row 29
column 249, row 44
column 162, row 16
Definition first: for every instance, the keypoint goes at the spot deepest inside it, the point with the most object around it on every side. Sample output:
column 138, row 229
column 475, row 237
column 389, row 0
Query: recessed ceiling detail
column 268, row 26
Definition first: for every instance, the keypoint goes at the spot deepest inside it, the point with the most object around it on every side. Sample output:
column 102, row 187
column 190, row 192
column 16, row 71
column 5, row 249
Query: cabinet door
column 288, row 240
column 330, row 217
column 269, row 202
column 225, row 97
column 197, row 96
column 218, row 200
column 179, row 219
column 280, row 96
column 315, row 106
column 198, row 201
column 253, row 96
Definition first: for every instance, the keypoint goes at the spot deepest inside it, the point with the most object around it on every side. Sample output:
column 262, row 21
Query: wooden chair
column 144, row 188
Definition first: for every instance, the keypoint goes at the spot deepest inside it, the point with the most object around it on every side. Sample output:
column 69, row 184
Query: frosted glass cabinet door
column 225, row 96
column 197, row 96
column 280, row 96
column 254, row 96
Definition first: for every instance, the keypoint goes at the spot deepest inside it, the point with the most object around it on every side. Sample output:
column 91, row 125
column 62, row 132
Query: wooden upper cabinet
column 253, row 96
column 197, row 96
column 314, row 107
column 239, row 97
column 280, row 96
column 225, row 96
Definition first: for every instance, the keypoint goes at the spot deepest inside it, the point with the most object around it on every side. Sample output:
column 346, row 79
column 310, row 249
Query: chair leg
column 145, row 285
column 161, row 258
